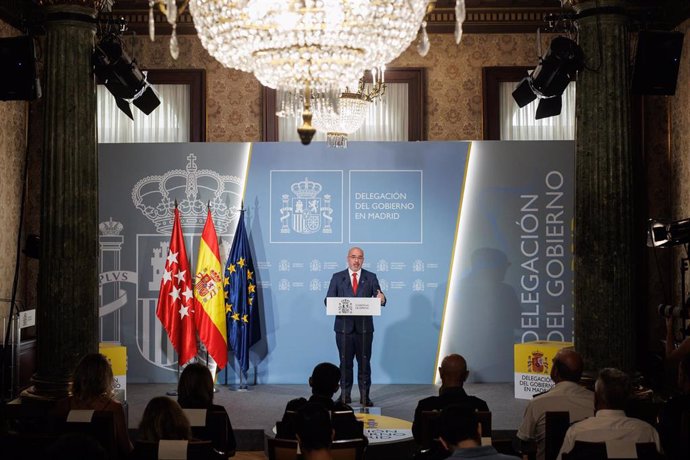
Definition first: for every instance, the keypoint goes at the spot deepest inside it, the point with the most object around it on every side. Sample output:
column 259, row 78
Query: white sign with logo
column 353, row 306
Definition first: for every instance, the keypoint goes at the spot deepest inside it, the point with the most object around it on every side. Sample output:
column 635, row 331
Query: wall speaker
column 18, row 80
column 656, row 62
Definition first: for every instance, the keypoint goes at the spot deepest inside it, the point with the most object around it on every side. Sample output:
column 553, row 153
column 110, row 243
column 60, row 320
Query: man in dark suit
column 354, row 334
column 453, row 373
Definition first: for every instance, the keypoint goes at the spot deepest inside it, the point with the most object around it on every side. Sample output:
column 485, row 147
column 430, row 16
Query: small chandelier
column 311, row 48
column 352, row 111
column 171, row 11
column 346, row 117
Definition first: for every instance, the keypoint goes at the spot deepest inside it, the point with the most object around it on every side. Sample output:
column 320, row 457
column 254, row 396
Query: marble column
column 67, row 312
column 608, row 237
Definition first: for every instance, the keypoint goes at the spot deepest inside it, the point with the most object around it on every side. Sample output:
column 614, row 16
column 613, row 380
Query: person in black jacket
column 453, row 373
column 324, row 383
column 355, row 334
column 195, row 391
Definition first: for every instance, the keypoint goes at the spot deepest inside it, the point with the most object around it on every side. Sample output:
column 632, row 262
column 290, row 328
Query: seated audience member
column 92, row 389
column 675, row 417
column 566, row 395
column 324, row 383
column 611, row 393
column 195, row 391
column 314, row 432
column 163, row 419
column 453, row 373
column 71, row 446
column 460, row 434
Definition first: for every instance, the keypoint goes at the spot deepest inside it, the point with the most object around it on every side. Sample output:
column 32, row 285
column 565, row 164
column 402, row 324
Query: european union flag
column 241, row 305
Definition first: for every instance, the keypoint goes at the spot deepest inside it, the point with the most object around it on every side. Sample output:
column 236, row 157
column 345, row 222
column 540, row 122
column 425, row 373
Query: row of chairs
column 30, row 434
column 287, row 449
column 556, row 425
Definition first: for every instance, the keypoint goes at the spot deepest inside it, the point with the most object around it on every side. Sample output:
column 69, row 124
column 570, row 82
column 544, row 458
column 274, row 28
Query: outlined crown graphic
column 306, row 188
column 194, row 189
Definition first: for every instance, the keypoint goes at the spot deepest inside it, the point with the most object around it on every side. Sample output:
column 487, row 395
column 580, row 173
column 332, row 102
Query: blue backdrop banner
column 471, row 243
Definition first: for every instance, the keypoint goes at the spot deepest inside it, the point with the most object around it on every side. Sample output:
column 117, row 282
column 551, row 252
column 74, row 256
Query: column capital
column 583, row 5
column 95, row 4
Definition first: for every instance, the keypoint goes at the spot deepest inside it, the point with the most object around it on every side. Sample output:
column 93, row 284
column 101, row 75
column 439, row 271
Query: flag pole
column 173, row 392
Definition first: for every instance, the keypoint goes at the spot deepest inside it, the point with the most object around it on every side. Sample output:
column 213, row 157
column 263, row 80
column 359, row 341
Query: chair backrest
column 346, row 425
column 213, row 426
column 429, row 427
column 281, row 449
column 647, row 451
column 151, row 450
column 484, row 418
column 99, row 425
column 597, row 451
column 285, row 428
column 196, row 417
column 428, row 430
column 556, row 424
column 346, row 449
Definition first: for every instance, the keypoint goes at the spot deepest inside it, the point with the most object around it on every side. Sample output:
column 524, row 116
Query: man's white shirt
column 564, row 396
column 612, row 427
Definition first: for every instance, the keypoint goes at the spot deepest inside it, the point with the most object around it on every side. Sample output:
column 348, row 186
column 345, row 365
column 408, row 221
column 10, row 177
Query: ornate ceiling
column 483, row 16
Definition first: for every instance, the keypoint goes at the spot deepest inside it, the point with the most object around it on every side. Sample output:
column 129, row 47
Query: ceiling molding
column 483, row 16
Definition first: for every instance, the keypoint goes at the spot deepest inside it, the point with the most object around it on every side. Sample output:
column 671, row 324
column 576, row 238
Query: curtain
column 169, row 122
column 386, row 120
column 519, row 123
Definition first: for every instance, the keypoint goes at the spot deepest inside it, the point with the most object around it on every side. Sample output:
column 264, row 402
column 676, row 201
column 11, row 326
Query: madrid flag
column 175, row 307
column 208, row 296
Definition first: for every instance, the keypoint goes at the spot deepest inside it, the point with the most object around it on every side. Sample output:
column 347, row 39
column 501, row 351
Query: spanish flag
column 209, row 297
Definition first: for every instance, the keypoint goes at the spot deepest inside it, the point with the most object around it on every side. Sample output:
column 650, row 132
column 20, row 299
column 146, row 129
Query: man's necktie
column 354, row 283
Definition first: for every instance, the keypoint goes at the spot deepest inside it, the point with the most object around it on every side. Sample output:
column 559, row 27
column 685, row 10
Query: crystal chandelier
column 342, row 119
column 352, row 111
column 171, row 11
column 311, row 48
column 423, row 45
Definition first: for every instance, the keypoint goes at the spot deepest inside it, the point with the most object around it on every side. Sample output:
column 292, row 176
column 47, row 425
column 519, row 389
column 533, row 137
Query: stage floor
column 256, row 411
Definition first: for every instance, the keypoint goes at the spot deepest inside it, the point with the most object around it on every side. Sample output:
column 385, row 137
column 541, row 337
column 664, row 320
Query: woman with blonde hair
column 92, row 389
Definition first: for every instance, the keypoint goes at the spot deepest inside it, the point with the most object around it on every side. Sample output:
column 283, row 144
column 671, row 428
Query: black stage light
column 121, row 75
column 662, row 234
column 551, row 76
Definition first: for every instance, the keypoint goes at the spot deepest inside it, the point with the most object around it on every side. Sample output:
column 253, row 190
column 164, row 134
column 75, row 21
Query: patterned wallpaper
column 12, row 146
column 453, row 111
column 454, row 85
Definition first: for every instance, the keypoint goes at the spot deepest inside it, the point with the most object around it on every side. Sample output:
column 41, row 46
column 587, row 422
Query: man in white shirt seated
column 566, row 395
column 610, row 424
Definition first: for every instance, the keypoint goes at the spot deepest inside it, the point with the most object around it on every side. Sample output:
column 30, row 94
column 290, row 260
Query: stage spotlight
column 661, row 234
column 121, row 75
column 550, row 78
